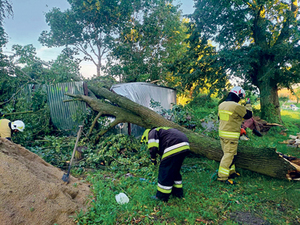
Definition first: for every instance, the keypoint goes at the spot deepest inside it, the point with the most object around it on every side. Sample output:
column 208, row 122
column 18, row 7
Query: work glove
column 248, row 101
column 153, row 161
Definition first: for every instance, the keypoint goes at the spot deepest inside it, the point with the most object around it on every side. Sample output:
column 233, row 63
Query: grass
column 256, row 199
column 206, row 200
column 290, row 115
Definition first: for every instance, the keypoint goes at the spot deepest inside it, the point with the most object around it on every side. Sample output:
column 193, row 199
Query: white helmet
column 18, row 125
column 238, row 91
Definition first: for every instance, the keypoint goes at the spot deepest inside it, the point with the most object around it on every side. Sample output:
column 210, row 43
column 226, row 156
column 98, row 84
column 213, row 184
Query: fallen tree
column 261, row 160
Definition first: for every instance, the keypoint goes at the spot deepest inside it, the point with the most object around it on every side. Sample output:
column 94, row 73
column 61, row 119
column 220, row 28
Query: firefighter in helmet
column 7, row 128
column 173, row 146
column 231, row 115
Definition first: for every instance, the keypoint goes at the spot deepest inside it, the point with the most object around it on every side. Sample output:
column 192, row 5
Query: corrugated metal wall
column 66, row 116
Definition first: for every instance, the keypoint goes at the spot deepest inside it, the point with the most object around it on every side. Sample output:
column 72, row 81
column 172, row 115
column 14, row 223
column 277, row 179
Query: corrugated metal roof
column 142, row 93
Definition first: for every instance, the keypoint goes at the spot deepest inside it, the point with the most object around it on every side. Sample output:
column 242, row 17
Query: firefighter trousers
column 169, row 177
column 227, row 167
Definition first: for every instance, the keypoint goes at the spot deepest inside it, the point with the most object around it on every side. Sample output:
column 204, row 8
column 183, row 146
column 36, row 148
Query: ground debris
column 294, row 141
column 258, row 125
column 295, row 162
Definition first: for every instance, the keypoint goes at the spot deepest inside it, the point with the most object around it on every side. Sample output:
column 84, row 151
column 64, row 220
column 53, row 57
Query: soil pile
column 32, row 192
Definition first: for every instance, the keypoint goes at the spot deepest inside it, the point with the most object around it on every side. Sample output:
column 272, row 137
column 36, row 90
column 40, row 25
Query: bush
column 203, row 101
column 118, row 151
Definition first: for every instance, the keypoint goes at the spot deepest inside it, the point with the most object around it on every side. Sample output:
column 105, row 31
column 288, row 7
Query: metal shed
column 66, row 116
column 142, row 93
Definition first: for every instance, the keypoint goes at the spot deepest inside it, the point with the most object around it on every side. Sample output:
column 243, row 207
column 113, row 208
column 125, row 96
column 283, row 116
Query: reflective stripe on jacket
column 167, row 142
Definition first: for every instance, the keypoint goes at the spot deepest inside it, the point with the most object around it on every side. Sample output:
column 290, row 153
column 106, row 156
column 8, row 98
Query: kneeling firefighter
column 231, row 115
column 7, row 128
column 173, row 146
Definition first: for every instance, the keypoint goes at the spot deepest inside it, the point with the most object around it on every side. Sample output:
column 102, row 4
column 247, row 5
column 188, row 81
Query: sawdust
column 32, row 192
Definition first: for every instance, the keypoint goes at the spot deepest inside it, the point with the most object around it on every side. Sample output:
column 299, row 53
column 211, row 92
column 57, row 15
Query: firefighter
column 173, row 146
column 231, row 115
column 7, row 128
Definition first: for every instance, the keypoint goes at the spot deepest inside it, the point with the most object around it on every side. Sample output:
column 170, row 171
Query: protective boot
column 234, row 175
column 229, row 182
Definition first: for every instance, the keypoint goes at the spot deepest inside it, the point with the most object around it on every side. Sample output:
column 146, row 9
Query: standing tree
column 5, row 10
column 140, row 36
column 5, row 92
column 258, row 41
column 92, row 27
column 151, row 39
column 64, row 69
column 89, row 26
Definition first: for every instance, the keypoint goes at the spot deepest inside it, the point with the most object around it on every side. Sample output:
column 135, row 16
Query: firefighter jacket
column 5, row 131
column 231, row 115
column 167, row 142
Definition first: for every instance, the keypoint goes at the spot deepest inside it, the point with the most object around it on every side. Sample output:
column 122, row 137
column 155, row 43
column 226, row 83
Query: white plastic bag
column 122, row 198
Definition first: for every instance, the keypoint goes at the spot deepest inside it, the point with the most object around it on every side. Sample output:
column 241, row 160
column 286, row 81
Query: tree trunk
column 264, row 161
column 98, row 70
column 269, row 102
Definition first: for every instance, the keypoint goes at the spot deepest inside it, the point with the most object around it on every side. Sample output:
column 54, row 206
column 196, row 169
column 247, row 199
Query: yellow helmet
column 144, row 138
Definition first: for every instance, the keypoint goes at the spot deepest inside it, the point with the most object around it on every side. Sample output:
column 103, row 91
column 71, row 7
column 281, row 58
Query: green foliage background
column 178, row 54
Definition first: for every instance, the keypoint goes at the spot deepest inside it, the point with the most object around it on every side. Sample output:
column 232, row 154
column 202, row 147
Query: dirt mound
column 32, row 192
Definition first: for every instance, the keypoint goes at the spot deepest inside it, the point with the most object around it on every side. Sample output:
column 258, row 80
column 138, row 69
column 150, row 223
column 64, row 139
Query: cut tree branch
column 94, row 123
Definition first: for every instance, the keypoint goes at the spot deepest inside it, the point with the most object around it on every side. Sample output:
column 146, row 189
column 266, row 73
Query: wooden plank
column 274, row 124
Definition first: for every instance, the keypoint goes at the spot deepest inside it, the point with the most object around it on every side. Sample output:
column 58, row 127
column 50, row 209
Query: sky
column 29, row 21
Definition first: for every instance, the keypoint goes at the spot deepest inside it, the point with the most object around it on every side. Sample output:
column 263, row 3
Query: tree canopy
column 136, row 32
column 148, row 43
column 5, row 10
column 256, row 41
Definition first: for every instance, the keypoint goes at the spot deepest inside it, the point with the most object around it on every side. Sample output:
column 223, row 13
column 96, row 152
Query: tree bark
column 265, row 161
column 269, row 102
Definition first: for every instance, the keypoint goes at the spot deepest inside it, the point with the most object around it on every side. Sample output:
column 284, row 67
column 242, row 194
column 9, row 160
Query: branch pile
column 259, row 124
